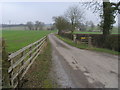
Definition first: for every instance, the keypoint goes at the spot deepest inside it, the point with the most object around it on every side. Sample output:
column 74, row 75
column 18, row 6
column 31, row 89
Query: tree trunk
column 59, row 32
column 106, row 18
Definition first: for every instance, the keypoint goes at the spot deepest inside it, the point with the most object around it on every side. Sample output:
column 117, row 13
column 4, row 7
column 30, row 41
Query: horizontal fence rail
column 22, row 60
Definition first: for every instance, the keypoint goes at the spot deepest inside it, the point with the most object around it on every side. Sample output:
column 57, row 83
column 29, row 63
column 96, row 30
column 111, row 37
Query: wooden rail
column 22, row 60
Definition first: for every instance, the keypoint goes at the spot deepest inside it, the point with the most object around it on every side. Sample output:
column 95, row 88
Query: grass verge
column 38, row 75
column 85, row 46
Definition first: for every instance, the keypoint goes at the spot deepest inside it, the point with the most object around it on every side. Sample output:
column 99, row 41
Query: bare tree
column 41, row 25
column 91, row 25
column 87, row 24
column 30, row 25
column 37, row 25
column 82, row 27
column 74, row 16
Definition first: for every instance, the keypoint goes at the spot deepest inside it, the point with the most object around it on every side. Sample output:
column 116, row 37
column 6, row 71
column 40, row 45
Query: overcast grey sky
column 21, row 12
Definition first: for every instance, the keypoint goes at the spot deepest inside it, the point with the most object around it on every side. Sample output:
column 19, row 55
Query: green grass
column 85, row 32
column 114, row 31
column 16, row 39
column 38, row 75
column 80, row 32
column 85, row 46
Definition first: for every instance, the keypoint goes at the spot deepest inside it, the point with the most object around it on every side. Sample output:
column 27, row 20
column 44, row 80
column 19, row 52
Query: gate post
column 74, row 38
column 89, row 41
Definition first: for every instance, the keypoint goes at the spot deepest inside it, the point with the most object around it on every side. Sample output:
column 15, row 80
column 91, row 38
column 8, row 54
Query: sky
column 21, row 12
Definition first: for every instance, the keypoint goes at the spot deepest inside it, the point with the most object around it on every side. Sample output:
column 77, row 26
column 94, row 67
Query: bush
column 67, row 35
column 112, row 41
column 98, row 40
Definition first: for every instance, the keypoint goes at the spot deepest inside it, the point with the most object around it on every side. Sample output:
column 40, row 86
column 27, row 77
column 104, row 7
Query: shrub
column 112, row 42
column 67, row 35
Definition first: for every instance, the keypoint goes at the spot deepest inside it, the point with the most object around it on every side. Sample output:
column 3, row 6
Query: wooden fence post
column 5, row 66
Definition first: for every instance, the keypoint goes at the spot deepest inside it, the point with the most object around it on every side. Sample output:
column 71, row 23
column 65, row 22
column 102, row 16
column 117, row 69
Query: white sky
column 21, row 12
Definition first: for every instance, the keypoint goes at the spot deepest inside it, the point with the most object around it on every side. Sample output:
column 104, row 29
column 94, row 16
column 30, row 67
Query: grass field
column 114, row 31
column 16, row 39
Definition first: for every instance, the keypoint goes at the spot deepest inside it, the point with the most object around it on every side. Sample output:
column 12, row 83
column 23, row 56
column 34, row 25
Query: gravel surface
column 77, row 68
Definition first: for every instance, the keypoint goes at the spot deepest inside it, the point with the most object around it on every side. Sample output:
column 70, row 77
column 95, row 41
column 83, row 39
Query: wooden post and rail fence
column 21, row 60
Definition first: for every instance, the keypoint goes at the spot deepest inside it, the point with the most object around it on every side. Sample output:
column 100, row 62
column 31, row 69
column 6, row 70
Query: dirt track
column 77, row 68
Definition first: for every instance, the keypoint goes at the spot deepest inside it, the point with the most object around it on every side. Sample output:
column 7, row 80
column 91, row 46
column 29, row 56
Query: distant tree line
column 39, row 26
column 35, row 26
column 12, row 25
